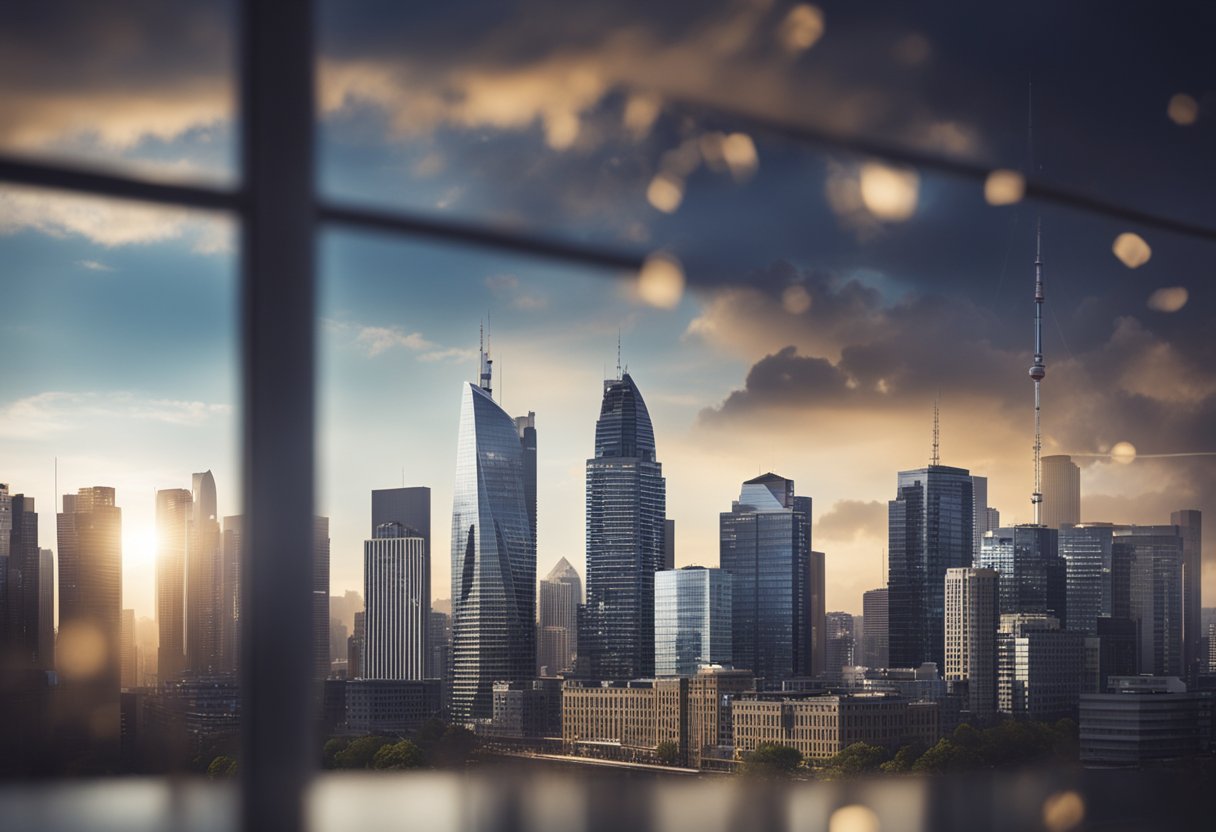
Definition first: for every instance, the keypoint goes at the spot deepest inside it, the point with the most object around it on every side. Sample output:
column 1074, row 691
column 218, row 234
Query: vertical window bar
column 277, row 280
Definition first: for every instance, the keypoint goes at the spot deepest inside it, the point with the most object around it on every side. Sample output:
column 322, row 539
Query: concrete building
column 971, row 627
column 390, row 706
column 874, row 651
column 526, row 710
column 1141, row 719
column 1033, row 577
column 710, row 693
column 173, row 509
column 1061, row 491
column 820, row 726
column 409, row 506
column 625, row 720
column 129, row 672
column 840, row 644
column 1039, row 668
column 561, row 592
column 692, row 620
column 1156, row 594
column 1190, row 525
column 397, row 589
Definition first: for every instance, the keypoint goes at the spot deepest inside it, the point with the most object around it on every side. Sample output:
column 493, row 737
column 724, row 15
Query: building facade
column 841, row 644
column 1140, row 719
column 173, row 509
column 692, row 620
column 1039, row 668
column 1190, row 526
column 397, row 589
column 561, row 593
column 971, row 627
column 1033, row 577
column 390, row 706
column 874, row 643
column 625, row 720
column 1157, row 554
column 1061, row 491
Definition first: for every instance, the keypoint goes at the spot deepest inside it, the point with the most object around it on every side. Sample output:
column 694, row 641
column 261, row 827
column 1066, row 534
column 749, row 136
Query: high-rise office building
column 561, row 592
column 1039, row 667
column 1090, row 552
column 971, row 627
column 765, row 545
column 439, row 634
column 526, row 425
column 669, row 544
column 356, row 644
column 410, row 506
column 626, row 510
column 1156, row 595
column 841, row 643
column 692, row 620
column 6, row 531
column 980, row 514
column 1061, row 491
column 128, row 658
column 493, row 559
column 930, row 530
column 89, row 531
column 874, row 651
column 397, row 589
column 320, row 598
column 23, row 593
column 173, row 509
column 230, row 594
column 1033, row 577
column 46, row 609
column 1190, row 524
column 818, row 606
column 204, row 578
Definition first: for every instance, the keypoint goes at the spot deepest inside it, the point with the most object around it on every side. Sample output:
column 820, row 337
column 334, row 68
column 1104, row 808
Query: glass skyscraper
column 561, row 593
column 493, row 557
column 930, row 530
column 765, row 545
column 1156, row 595
column 1087, row 552
column 626, row 510
column 692, row 620
column 1033, row 577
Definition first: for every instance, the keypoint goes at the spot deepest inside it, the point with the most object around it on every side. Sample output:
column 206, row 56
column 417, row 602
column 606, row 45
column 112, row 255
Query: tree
column 903, row 760
column 359, row 753
column 772, row 760
column 947, row 756
column 454, row 748
column 331, row 750
column 222, row 766
column 858, row 758
column 399, row 755
column 668, row 752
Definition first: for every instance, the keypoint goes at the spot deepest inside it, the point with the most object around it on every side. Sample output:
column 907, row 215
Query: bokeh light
column 854, row 818
column 1168, row 299
column 796, row 299
column 889, row 193
column 1132, row 250
column 1063, row 811
column 802, row 27
column 665, row 193
column 1123, row 452
column 661, row 281
column 80, row 650
column 1004, row 187
column 1183, row 109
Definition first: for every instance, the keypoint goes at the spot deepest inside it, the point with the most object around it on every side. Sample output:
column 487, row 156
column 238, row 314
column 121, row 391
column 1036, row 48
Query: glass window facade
column 692, row 620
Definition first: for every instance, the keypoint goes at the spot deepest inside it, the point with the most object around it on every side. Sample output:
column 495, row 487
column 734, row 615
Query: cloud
column 53, row 412
column 377, row 340
column 507, row 288
column 848, row 520
column 94, row 266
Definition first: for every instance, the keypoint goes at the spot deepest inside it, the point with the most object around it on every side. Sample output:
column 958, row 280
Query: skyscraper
column 1190, row 524
column 24, row 597
column 6, row 531
column 930, row 525
column 1156, row 595
column 841, row 643
column 230, row 594
column 128, row 662
column 526, row 425
column 410, row 506
column 397, row 586
column 46, row 609
column 493, row 558
column 692, row 620
column 204, row 578
column 979, row 513
column 1061, row 491
column 874, row 650
column 765, row 545
column 818, row 606
column 626, row 510
column 1033, row 577
column 173, row 509
column 971, row 627
column 561, row 592
column 669, row 544
column 320, row 598
column 1087, row 552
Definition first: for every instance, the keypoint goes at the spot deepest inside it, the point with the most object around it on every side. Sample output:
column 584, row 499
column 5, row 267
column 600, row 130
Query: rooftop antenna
column 487, row 365
column 1037, row 371
column 936, row 459
column 618, row 353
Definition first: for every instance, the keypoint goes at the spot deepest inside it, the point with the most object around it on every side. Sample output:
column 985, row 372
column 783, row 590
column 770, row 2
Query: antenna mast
column 487, row 365
column 935, row 459
column 618, row 354
column 1037, row 371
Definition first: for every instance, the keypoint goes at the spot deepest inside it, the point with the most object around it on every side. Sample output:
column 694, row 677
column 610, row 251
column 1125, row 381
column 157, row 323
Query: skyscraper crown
column 624, row 428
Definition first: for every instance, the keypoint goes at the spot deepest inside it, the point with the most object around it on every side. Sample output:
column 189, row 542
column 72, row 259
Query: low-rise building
column 1143, row 719
column 710, row 694
column 390, row 706
column 526, row 710
column 625, row 720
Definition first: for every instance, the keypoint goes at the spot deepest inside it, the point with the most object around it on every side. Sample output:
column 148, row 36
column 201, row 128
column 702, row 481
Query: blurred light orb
column 1123, row 453
column 889, row 193
column 739, row 151
column 854, row 818
column 1004, row 187
column 1063, row 811
column 1132, row 250
column 641, row 110
column 795, row 299
column 802, row 27
column 913, row 49
column 1168, row 299
column 80, row 650
column 665, row 193
column 561, row 129
column 1183, row 109
column 661, row 281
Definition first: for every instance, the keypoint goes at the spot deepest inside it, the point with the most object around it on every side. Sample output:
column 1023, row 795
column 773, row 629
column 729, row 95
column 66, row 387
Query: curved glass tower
column 626, row 513
column 493, row 557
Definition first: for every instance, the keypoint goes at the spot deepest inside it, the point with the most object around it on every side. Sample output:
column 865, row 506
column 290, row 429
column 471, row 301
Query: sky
column 827, row 301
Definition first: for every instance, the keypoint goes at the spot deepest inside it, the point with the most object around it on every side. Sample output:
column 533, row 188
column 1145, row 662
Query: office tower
column 626, row 510
column 356, row 645
column 1039, row 667
column 776, row 581
column 23, row 584
column 930, row 530
column 561, row 592
column 874, row 642
column 204, row 577
column 1086, row 550
column 669, row 544
column 1033, row 577
column 692, row 620
column 6, row 531
column 46, row 609
column 526, row 425
column 173, row 509
column 1061, row 491
column 493, row 559
column 1156, row 595
column 397, row 589
column 818, row 605
column 128, row 658
column 439, row 634
column 979, row 513
column 320, row 599
column 992, row 520
column 411, row 507
column 230, row 594
column 840, row 637
column 1190, row 524
column 971, row 626
column 89, row 531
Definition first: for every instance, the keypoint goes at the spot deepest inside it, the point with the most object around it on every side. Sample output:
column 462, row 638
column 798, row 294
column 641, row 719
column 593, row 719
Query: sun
column 139, row 547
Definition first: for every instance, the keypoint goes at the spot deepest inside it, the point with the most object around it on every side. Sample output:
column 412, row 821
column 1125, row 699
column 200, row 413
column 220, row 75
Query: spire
column 618, row 353
column 936, row 459
column 487, row 365
column 1037, row 372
